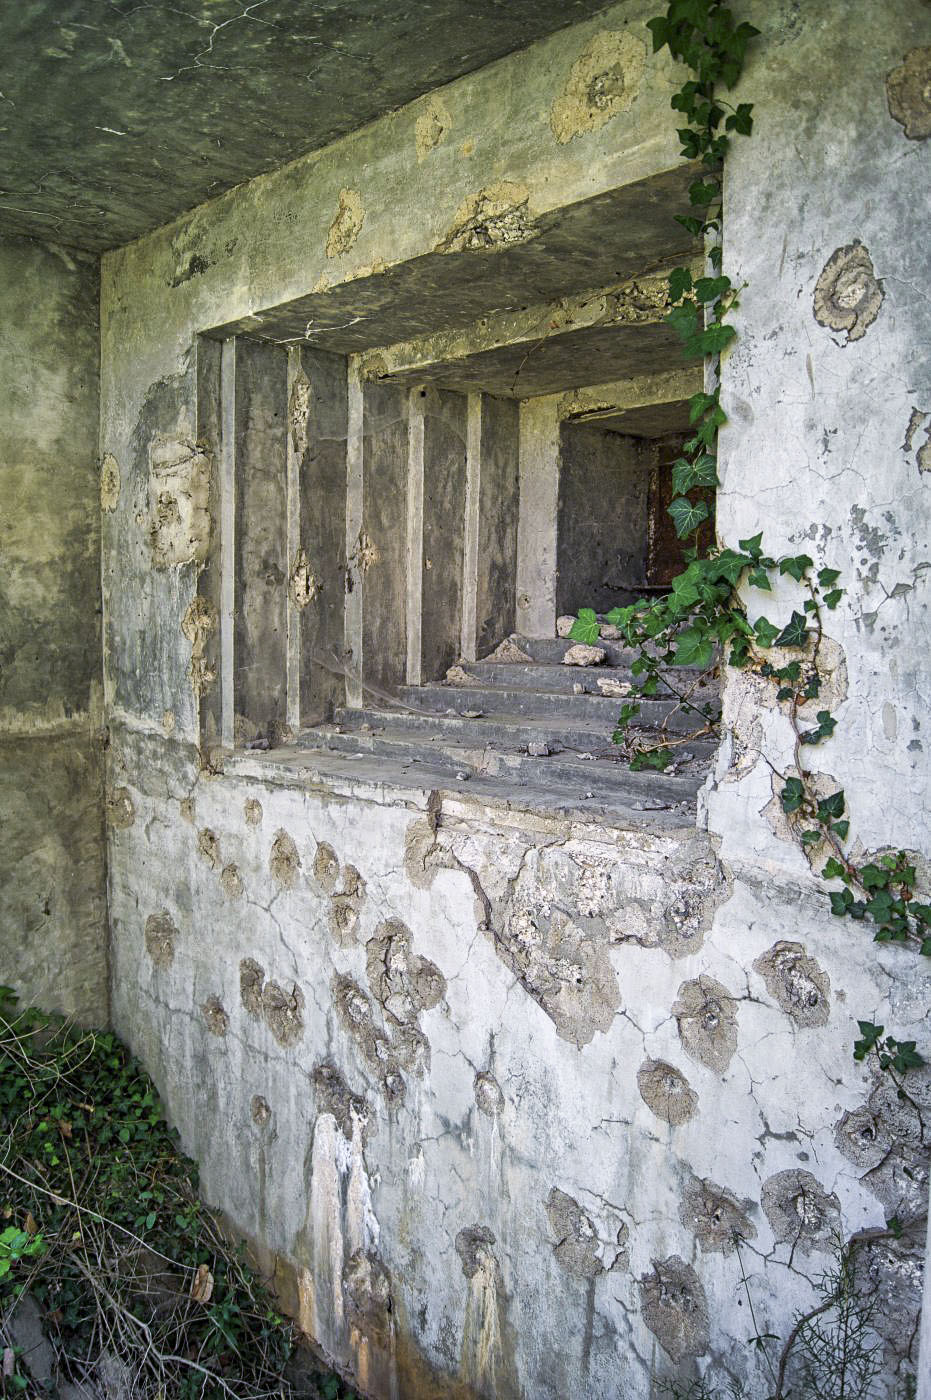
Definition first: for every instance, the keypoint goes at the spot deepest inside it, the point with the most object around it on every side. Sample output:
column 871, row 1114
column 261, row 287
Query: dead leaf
column 30, row 1226
column 202, row 1287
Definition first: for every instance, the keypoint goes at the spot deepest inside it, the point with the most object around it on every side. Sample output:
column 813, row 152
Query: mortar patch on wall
column 347, row 224
column 482, row 1359
column 231, row 881
column 333, row 1095
column 402, row 981
column 208, row 845
column 356, row 1013
column 161, row 933
column 197, row 626
column 604, row 80
column 179, row 516
column 302, row 583
column 908, row 92
column 346, row 905
column 488, row 1096
column 431, row 127
column 120, row 810
column 496, row 217
column 716, row 1216
column 299, row 414
column 284, row 861
column 110, row 482
column 800, row 1212
column 577, row 1246
column 252, row 811
column 675, row 1308
column 796, row 981
column 848, row 295
column 666, row 1091
column 282, row 1012
column 899, row 1180
column 706, row 1016
column 218, row 1023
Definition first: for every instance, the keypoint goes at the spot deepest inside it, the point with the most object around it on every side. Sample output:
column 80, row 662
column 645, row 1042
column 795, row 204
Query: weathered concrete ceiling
column 118, row 115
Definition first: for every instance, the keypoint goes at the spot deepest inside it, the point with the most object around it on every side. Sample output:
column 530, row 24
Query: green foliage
column 105, row 1229
column 585, row 628
column 15, row 1245
column 702, row 622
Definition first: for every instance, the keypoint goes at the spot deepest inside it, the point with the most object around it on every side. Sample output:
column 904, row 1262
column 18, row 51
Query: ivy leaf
column 766, row 633
column 684, row 321
column 701, row 402
column 659, row 28
column 585, row 628
column 873, row 877
column 841, row 901
column 740, row 119
column 694, row 648
column 840, row 829
column 752, row 546
column 651, row 758
column 701, row 471
column 759, row 578
column 710, row 288
column 870, row 1038
column 794, row 633
column 828, row 576
column 619, row 617
column 833, row 870
column 826, row 726
column 687, row 515
column 703, row 192
column 680, row 282
column 729, row 565
column 792, row 795
column 906, row 1056
column 690, row 224
column 714, row 338
column 879, row 907
column 796, row 566
column 810, row 837
column 831, row 807
column 832, row 599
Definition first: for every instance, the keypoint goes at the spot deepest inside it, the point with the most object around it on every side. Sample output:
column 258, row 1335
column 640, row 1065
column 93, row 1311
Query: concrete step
column 552, row 650
column 546, row 704
column 504, row 731
column 551, row 676
column 609, row 781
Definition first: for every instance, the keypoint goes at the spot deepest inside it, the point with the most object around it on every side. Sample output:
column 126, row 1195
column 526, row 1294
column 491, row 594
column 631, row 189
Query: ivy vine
column 682, row 637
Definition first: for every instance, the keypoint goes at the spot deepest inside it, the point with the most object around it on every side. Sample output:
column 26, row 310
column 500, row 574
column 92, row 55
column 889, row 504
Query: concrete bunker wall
column 506, row 1073
column 53, row 928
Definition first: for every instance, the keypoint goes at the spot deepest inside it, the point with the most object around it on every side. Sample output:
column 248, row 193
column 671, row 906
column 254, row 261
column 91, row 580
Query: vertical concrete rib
column 227, row 488
column 537, row 517
column 473, row 490
column 293, row 488
column 415, row 445
column 352, row 630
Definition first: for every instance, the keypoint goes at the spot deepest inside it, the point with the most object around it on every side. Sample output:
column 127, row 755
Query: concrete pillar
column 536, row 528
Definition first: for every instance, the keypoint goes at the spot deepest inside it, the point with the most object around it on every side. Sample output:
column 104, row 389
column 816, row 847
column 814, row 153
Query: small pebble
column 564, row 625
column 473, row 714
column 578, row 689
column 537, row 750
